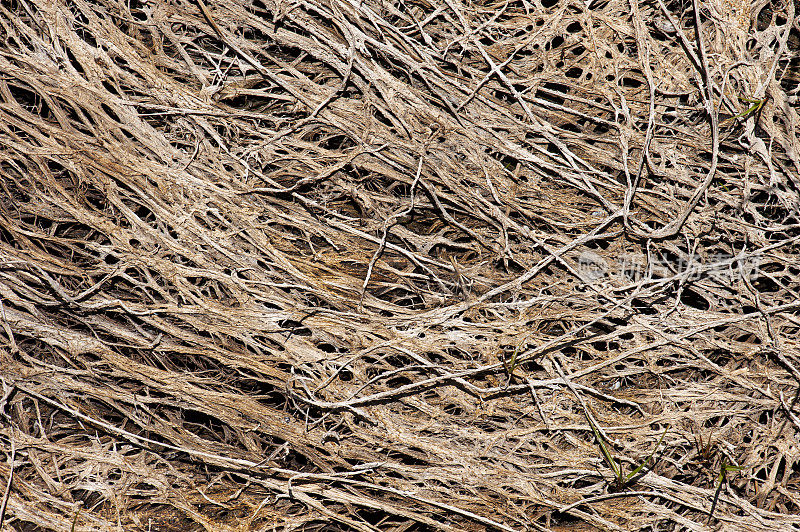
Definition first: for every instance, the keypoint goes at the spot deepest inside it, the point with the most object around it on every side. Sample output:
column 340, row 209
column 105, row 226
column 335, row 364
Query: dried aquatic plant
column 332, row 265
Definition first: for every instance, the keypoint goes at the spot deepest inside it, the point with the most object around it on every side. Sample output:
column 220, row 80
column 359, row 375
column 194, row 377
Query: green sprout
column 756, row 106
column 621, row 479
column 510, row 365
column 724, row 469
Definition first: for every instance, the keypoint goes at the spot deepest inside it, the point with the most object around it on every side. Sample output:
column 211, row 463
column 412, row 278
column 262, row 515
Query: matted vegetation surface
column 394, row 266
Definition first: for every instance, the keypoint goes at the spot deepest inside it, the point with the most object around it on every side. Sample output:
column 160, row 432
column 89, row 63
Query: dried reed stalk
column 373, row 266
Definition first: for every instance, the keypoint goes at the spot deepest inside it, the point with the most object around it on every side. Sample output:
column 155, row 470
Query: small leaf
column 723, row 473
column 606, row 454
column 635, row 471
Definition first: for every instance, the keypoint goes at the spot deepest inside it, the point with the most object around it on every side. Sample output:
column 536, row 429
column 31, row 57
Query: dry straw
column 399, row 265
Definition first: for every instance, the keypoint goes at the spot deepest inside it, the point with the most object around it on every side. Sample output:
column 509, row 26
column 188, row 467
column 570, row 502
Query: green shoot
column 723, row 474
column 756, row 107
column 510, row 366
column 621, row 479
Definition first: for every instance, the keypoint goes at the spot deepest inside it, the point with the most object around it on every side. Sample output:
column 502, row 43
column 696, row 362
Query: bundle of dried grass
column 399, row 266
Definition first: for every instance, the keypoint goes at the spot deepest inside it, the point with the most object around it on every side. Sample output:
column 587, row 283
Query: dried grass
column 373, row 266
